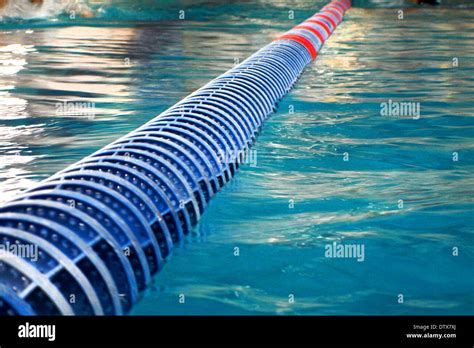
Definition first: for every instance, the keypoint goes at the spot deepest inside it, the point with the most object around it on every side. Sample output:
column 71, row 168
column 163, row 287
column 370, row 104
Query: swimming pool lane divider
column 100, row 229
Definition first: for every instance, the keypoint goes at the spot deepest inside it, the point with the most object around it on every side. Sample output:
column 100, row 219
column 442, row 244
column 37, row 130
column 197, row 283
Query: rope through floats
column 105, row 225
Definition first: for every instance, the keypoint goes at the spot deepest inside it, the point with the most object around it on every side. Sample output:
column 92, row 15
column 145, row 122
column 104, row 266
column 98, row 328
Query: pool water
column 331, row 166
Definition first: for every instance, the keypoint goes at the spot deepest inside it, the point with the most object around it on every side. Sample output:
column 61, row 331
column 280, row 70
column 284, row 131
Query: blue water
column 330, row 168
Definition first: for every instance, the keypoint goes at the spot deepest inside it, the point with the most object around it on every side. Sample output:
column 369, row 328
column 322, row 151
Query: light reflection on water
column 131, row 70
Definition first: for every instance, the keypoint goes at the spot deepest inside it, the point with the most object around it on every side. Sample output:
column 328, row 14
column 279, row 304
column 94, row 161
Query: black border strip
column 156, row 330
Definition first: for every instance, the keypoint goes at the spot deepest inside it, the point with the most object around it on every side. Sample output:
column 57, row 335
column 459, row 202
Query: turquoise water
column 330, row 168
